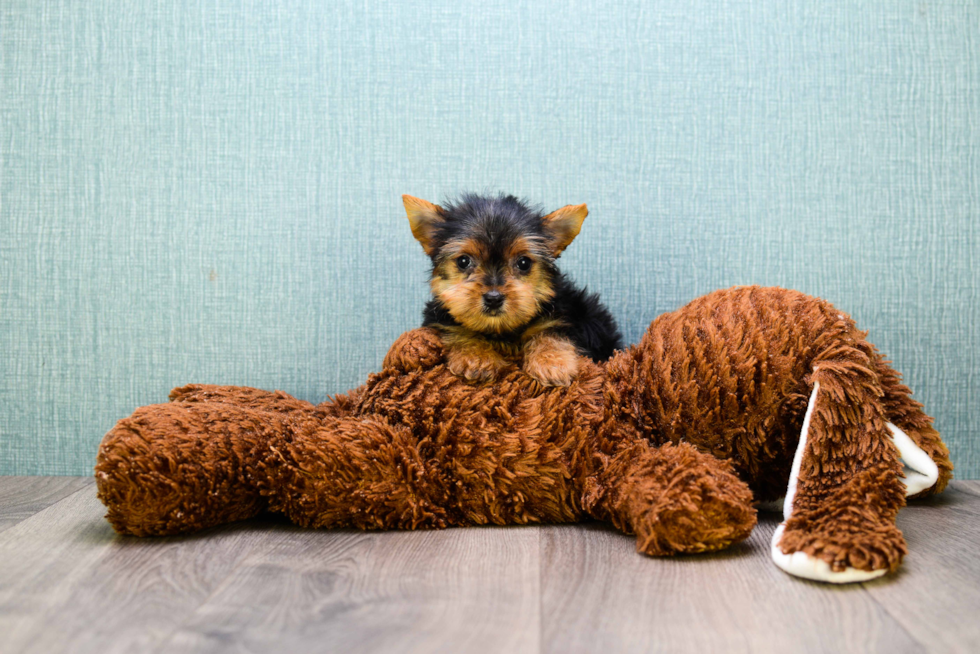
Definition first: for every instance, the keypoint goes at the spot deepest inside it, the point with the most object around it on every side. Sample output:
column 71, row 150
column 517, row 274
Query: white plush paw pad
column 801, row 564
column 921, row 472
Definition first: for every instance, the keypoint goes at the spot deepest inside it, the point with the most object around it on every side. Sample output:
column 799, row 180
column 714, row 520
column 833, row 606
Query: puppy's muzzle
column 492, row 301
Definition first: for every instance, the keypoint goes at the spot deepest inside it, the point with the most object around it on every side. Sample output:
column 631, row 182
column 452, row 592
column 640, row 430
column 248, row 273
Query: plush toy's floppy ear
column 424, row 217
column 563, row 225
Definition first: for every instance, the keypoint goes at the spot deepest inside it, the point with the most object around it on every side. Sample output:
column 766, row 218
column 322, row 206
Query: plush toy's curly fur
column 672, row 440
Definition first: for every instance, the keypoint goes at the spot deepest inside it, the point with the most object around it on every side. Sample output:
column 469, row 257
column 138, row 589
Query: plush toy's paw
column 842, row 555
column 712, row 523
column 475, row 364
column 551, row 361
column 697, row 516
column 418, row 348
column 675, row 499
column 842, row 534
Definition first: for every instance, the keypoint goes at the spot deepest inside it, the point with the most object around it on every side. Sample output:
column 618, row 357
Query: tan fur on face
column 538, row 249
column 551, row 360
column 461, row 292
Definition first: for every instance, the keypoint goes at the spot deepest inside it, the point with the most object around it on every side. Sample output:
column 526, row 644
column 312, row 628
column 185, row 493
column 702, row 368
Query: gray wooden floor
column 68, row 583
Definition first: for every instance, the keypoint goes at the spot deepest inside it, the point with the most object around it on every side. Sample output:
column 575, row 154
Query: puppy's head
column 492, row 257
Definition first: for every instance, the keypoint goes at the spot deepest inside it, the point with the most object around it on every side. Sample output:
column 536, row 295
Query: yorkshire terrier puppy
column 497, row 295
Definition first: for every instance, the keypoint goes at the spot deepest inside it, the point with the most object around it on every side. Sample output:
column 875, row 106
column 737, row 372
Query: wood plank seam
column 897, row 619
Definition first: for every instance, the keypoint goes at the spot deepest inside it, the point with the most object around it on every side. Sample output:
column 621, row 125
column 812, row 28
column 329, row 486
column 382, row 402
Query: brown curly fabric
column 672, row 440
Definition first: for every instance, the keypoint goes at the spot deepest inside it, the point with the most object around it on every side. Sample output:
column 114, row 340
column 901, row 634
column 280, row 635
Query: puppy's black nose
column 493, row 300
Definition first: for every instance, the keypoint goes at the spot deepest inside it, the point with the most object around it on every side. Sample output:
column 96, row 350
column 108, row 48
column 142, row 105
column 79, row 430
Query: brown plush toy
column 744, row 395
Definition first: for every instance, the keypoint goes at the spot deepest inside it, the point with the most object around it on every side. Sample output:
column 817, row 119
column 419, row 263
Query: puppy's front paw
column 475, row 366
column 551, row 361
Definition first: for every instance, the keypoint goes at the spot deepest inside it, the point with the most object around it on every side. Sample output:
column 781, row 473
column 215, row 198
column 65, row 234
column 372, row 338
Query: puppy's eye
column 463, row 262
column 523, row 264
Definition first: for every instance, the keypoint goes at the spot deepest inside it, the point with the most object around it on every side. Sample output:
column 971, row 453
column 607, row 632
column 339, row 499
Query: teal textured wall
column 209, row 191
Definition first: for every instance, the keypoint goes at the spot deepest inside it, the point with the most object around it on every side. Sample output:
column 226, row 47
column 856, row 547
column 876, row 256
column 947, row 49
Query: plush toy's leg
column 184, row 466
column 845, row 488
column 355, row 472
column 674, row 498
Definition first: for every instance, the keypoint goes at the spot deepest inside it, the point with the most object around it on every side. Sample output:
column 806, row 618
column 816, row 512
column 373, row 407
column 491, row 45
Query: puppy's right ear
column 424, row 217
column 563, row 226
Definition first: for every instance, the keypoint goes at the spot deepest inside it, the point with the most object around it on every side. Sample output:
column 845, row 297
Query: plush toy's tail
column 191, row 464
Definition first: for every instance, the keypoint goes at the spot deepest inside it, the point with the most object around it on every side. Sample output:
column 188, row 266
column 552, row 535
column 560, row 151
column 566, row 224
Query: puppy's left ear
column 563, row 226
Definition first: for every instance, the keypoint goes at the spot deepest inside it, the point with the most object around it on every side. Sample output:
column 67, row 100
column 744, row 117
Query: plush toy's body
column 742, row 396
